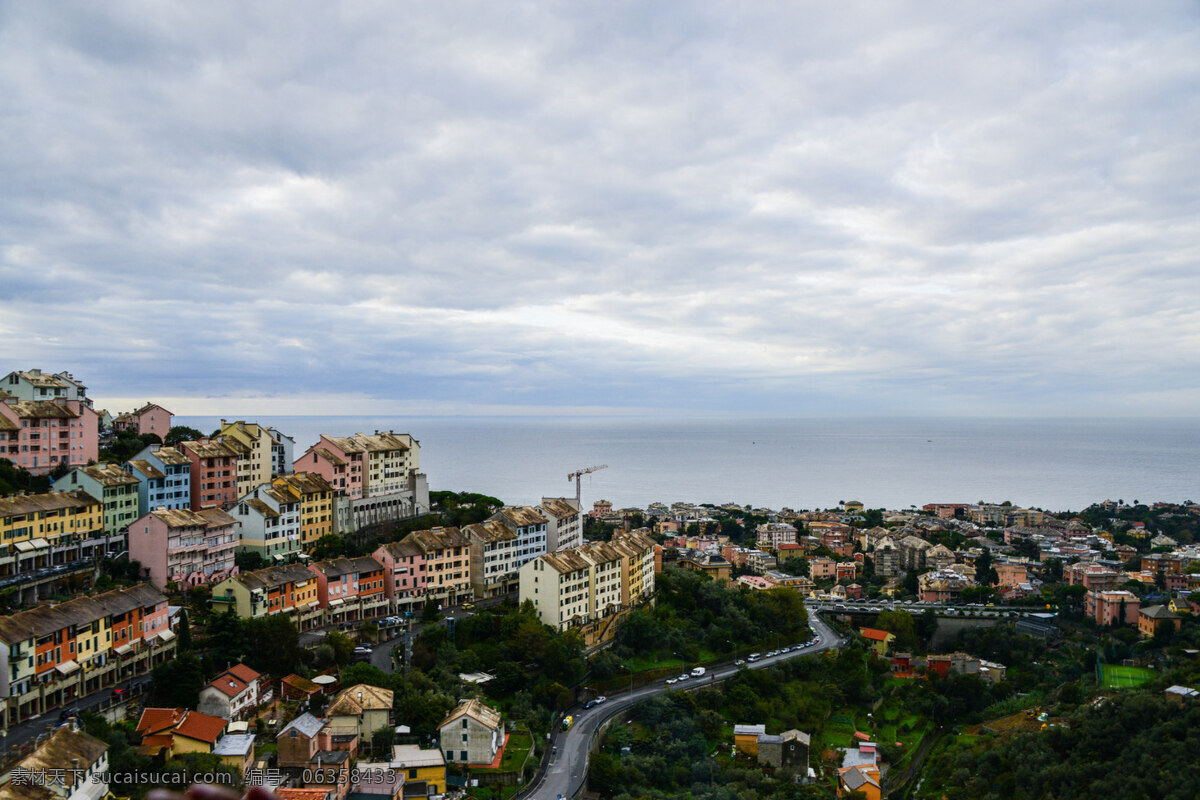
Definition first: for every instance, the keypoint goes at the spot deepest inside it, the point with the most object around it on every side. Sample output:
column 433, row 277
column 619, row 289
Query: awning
column 67, row 667
column 167, row 635
column 303, row 556
column 123, row 649
column 23, row 547
column 278, row 557
column 336, row 603
column 40, row 544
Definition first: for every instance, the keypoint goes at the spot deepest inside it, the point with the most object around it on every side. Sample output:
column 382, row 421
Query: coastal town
column 239, row 607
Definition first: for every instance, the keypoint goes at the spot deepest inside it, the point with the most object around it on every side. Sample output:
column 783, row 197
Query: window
column 464, row 755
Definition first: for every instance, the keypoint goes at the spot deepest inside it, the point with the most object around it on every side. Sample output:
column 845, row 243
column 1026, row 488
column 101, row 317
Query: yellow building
column 745, row 738
column 253, row 445
column 289, row 589
column 419, row 766
column 316, row 504
column 637, row 566
column 34, row 526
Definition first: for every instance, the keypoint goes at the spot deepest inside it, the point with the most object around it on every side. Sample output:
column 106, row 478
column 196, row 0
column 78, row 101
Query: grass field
column 1119, row 676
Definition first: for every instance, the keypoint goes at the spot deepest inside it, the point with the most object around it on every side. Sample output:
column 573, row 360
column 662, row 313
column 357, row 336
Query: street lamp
column 735, row 648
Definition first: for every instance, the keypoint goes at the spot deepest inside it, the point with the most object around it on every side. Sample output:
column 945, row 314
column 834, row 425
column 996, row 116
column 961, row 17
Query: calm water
column 803, row 463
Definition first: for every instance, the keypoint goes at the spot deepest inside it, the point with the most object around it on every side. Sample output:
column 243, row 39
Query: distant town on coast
column 234, row 606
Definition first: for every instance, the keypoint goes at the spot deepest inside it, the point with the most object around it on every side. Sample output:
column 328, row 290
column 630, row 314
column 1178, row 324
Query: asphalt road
column 568, row 769
column 23, row 732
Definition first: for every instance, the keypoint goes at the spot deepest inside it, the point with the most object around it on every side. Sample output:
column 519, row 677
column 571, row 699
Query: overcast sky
column 775, row 208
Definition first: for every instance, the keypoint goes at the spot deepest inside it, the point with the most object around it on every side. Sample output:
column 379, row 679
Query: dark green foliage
column 249, row 560
column 184, row 632
column 275, row 644
column 1135, row 746
column 182, row 433
column 334, row 546
column 177, row 683
column 126, row 444
column 692, row 613
column 463, row 508
column 15, row 479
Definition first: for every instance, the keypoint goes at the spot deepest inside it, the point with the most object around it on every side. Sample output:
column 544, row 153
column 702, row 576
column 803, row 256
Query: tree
column 982, row 565
column 177, row 683
column 182, row 433
column 277, row 644
column 342, row 646
column 184, row 632
column 430, row 612
column 249, row 560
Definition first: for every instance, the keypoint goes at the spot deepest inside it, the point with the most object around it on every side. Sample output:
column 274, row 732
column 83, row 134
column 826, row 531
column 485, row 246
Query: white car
column 672, row 681
column 601, row 699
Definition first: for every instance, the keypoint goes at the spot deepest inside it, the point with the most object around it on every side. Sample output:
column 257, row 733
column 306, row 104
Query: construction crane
column 575, row 476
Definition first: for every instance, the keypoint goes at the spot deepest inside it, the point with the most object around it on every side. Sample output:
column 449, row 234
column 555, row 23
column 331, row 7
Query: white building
column 773, row 534
column 270, row 520
column 573, row 587
column 70, row 766
column 564, row 522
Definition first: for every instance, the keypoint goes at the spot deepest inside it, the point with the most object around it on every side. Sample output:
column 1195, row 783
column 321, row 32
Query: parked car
column 740, row 662
column 589, row 704
column 601, row 699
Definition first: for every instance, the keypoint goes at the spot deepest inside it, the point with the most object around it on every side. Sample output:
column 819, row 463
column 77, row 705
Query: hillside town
column 314, row 619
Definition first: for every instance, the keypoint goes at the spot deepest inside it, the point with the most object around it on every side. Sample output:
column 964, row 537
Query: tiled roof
column 488, row 717
column 359, row 698
column 201, row 727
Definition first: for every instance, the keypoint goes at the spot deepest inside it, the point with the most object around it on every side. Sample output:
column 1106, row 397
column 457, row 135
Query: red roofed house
column 233, row 694
column 880, row 640
column 179, row 730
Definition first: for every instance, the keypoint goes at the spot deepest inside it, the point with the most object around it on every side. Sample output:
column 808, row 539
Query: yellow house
column 178, row 730
column 31, row 525
column 420, row 766
column 745, row 738
column 879, row 640
column 316, row 504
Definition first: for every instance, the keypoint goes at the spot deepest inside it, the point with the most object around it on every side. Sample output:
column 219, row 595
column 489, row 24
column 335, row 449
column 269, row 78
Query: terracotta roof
column 875, row 634
column 201, row 727
column 228, row 684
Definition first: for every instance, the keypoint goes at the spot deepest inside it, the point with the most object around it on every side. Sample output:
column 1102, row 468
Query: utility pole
column 579, row 474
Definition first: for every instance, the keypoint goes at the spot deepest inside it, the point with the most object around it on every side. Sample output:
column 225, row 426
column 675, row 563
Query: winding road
column 567, row 770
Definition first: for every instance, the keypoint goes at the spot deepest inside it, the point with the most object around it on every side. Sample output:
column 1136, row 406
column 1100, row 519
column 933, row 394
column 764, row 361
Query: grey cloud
column 911, row 207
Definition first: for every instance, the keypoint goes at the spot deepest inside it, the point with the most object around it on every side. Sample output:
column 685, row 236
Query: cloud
column 742, row 208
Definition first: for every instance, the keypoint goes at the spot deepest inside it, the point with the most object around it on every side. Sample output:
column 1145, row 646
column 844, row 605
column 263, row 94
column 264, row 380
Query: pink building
column 1010, row 575
column 1113, row 607
column 403, row 573
column 41, row 434
column 1093, row 577
column 845, row 571
column 351, row 588
column 342, row 466
column 822, row 567
column 214, row 473
column 150, row 418
column 188, row 547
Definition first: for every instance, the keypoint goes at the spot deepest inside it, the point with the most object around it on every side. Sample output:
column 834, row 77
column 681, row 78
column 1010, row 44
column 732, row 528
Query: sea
column 1052, row 464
